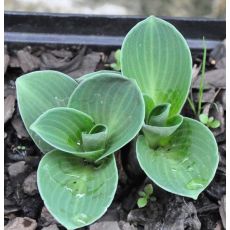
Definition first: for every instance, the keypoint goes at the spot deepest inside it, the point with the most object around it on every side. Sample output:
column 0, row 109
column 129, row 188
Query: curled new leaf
column 113, row 101
column 64, row 129
column 159, row 127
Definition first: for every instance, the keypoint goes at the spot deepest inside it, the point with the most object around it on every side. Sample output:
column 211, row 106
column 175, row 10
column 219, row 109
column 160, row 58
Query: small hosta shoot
column 79, row 126
column 178, row 153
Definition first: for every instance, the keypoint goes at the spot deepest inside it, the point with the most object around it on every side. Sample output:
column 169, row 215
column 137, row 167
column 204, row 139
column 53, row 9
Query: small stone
column 46, row 218
column 17, row 168
column 30, row 184
column 21, row 223
column 51, row 227
column 105, row 225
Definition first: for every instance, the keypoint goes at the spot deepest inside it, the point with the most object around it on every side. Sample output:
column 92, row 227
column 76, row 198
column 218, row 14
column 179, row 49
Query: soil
column 24, row 208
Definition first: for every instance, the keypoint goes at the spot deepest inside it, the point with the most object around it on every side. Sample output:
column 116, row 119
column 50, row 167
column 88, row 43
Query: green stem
column 201, row 88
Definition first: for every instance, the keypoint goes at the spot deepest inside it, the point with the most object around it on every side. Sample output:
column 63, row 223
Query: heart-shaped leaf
column 39, row 91
column 187, row 164
column 74, row 192
column 113, row 101
column 156, row 55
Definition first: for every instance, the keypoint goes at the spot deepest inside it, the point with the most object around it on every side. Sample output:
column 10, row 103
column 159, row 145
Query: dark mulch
column 168, row 211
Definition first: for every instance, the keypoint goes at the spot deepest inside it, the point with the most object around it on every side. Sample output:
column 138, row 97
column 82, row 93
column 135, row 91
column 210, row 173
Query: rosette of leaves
column 79, row 125
column 178, row 153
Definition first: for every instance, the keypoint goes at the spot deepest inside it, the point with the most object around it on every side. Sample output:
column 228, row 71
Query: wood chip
column 222, row 210
column 208, row 96
column 88, row 65
column 19, row 127
column 213, row 79
column 27, row 61
column 9, row 90
column 66, row 65
column 6, row 59
column 218, row 53
column 6, row 62
column 21, row 223
column 14, row 62
column 9, row 103
column 221, row 64
column 62, row 53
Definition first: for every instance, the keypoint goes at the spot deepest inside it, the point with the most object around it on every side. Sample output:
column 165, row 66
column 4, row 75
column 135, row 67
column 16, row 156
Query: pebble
column 30, row 184
column 105, row 225
column 21, row 223
column 17, row 168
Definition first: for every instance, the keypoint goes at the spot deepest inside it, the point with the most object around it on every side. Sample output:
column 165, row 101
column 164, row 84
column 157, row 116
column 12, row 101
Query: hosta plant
column 178, row 153
column 79, row 126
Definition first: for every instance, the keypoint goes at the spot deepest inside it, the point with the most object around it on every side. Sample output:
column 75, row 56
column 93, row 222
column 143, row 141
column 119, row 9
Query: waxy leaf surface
column 156, row 55
column 113, row 101
column 39, row 91
column 187, row 164
column 74, row 192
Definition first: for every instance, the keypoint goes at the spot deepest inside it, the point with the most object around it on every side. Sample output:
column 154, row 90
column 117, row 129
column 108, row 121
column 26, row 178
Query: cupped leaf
column 113, row 101
column 159, row 115
column 156, row 55
column 187, row 164
column 157, row 135
column 39, row 91
column 65, row 129
column 74, row 192
column 95, row 139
